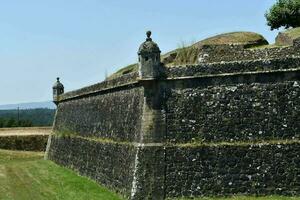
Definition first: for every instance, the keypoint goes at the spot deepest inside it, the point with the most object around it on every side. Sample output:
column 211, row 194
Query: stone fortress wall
column 224, row 126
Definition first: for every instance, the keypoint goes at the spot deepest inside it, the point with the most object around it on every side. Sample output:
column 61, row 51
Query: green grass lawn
column 26, row 176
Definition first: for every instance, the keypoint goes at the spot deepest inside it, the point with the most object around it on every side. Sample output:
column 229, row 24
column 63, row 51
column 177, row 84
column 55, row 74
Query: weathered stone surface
column 287, row 37
column 110, row 164
column 234, row 67
column 113, row 115
column 237, row 112
column 297, row 44
column 262, row 169
column 126, row 80
column 149, row 176
column 227, row 53
column 283, row 39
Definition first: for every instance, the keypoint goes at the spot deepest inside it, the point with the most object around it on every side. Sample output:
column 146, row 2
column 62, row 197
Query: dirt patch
column 25, row 131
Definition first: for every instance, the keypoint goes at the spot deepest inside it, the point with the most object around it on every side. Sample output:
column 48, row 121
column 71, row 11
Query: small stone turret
column 58, row 89
column 149, row 59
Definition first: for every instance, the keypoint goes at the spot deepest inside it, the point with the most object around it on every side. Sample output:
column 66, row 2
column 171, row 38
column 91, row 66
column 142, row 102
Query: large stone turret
column 149, row 59
column 58, row 89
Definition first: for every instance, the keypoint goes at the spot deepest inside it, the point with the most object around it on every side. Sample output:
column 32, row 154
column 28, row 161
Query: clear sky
column 79, row 40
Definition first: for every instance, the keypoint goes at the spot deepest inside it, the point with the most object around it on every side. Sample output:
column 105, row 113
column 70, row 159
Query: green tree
column 284, row 13
column 25, row 123
column 2, row 122
column 11, row 123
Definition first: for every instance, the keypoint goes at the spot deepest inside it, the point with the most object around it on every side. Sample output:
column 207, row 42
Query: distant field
column 26, row 176
column 25, row 131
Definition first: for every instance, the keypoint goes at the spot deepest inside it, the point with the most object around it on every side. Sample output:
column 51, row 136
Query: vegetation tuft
column 188, row 54
column 65, row 133
column 293, row 33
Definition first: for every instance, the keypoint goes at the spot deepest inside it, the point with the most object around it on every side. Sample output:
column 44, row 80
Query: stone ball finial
column 148, row 35
column 57, row 84
column 148, row 46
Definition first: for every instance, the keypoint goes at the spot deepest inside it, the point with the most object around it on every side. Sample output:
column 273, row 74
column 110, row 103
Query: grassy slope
column 293, row 33
column 232, row 38
column 26, row 176
column 188, row 54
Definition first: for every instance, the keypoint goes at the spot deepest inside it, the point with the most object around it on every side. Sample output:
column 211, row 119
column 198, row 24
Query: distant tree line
column 26, row 118
column 11, row 122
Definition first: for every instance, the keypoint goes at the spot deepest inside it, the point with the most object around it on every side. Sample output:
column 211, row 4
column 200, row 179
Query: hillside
column 287, row 37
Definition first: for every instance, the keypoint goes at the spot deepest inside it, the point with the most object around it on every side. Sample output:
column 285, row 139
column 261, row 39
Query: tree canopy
column 284, row 13
column 26, row 118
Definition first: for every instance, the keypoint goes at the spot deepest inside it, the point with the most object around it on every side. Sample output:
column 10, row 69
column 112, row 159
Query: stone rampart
column 232, row 52
column 204, row 130
column 241, row 169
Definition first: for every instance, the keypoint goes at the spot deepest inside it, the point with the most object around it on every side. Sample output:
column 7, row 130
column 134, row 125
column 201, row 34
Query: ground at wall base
column 26, row 176
column 41, row 179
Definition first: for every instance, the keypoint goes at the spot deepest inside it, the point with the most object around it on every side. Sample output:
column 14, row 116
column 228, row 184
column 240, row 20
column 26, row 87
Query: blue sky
column 80, row 40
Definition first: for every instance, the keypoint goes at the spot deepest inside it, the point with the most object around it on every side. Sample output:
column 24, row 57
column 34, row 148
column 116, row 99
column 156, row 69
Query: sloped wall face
column 237, row 169
column 109, row 164
column 205, row 130
column 94, row 135
column 234, row 112
column 114, row 115
column 233, row 134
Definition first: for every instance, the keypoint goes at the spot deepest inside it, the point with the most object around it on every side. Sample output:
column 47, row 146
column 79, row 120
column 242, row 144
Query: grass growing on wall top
column 293, row 33
column 188, row 53
column 65, row 133
column 26, row 176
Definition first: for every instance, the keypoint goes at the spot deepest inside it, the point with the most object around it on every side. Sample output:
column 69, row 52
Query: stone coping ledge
column 121, row 81
column 211, row 70
column 234, row 74
column 138, row 82
column 189, row 145
column 259, row 65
